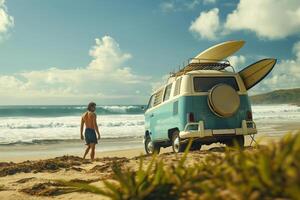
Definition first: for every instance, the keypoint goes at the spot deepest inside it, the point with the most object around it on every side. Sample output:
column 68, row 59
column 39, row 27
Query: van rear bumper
column 196, row 130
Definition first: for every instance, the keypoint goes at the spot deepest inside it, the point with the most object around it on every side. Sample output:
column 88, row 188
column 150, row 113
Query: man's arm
column 81, row 128
column 96, row 126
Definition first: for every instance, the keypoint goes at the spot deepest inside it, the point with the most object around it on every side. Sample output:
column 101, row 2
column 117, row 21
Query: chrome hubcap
column 176, row 144
column 150, row 146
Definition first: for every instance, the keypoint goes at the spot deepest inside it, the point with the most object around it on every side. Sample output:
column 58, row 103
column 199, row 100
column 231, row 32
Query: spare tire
column 223, row 100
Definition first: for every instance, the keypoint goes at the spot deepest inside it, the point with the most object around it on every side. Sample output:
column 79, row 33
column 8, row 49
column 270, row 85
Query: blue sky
column 64, row 51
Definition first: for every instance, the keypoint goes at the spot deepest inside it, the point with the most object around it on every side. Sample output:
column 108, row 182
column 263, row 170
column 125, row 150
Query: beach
column 28, row 167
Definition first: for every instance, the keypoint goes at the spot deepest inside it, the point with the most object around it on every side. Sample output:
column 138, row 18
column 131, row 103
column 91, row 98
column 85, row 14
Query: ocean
column 50, row 124
column 25, row 125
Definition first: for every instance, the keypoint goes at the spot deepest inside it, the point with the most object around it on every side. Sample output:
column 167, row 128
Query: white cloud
column 192, row 4
column 6, row 21
column 159, row 82
column 209, row 1
column 271, row 19
column 107, row 54
column 268, row 19
column 167, row 6
column 285, row 74
column 104, row 78
column 207, row 25
column 296, row 50
column 237, row 62
column 182, row 5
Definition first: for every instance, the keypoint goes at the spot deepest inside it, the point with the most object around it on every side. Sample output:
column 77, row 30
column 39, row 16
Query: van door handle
column 152, row 115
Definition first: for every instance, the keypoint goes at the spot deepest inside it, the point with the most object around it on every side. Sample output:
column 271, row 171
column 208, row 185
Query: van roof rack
column 202, row 64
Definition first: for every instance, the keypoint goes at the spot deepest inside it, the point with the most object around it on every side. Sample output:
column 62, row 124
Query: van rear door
column 256, row 72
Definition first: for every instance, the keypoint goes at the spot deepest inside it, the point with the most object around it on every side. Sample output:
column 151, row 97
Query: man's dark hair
column 91, row 105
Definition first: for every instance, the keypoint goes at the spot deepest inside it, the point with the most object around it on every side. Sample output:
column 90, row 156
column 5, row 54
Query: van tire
column 177, row 146
column 155, row 148
column 237, row 140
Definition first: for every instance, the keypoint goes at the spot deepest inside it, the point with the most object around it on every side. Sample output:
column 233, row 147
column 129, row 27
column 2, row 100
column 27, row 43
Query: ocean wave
column 123, row 109
column 30, row 130
column 57, row 141
column 56, row 111
column 280, row 112
column 32, row 125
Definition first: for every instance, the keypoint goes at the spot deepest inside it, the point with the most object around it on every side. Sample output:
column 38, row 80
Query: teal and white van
column 204, row 102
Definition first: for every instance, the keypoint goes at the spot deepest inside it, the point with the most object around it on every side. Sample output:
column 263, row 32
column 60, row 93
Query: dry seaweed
column 25, row 180
column 47, row 189
column 49, row 165
column 108, row 162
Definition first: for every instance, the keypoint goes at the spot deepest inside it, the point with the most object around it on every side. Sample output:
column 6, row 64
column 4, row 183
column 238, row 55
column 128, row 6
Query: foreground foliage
column 264, row 173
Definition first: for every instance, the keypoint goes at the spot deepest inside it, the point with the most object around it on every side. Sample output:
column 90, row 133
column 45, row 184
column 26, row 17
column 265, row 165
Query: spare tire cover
column 223, row 100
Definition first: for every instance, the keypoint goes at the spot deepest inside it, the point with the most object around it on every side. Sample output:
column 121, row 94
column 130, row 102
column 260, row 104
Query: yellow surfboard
column 255, row 72
column 220, row 51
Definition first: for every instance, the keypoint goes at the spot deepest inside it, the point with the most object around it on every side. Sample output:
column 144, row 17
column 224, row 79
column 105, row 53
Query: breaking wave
column 56, row 111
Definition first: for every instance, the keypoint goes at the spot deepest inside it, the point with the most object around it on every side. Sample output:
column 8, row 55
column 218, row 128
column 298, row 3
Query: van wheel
column 177, row 146
column 239, row 140
column 151, row 147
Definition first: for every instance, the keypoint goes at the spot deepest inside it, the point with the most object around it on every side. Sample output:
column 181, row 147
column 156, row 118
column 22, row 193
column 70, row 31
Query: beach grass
column 265, row 172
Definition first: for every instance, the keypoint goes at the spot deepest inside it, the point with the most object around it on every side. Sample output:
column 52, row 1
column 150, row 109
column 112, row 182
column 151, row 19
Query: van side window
column 167, row 92
column 158, row 97
column 177, row 87
column 151, row 101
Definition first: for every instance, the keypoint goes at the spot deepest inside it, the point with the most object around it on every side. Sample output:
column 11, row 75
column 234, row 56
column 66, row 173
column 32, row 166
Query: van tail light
column 249, row 116
column 190, row 117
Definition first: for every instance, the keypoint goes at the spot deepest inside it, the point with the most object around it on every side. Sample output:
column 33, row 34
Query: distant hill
column 288, row 96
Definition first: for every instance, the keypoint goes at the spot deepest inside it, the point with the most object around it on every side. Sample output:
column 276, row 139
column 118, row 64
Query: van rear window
column 203, row 84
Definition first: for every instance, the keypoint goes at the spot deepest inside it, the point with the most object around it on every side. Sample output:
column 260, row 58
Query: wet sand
column 106, row 147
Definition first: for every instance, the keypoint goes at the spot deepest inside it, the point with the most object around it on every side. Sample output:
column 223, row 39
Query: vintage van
column 204, row 102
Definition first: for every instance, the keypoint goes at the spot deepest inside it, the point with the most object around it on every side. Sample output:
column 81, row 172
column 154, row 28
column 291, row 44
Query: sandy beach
column 31, row 175
column 106, row 147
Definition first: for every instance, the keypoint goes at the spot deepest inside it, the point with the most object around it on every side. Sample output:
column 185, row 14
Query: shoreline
column 124, row 146
column 18, row 153
column 106, row 147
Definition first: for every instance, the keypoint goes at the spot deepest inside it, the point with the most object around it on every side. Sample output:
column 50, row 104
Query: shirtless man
column 89, row 120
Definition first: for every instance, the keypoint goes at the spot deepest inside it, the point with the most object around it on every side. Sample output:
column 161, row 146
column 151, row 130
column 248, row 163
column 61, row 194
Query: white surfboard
column 256, row 72
column 219, row 51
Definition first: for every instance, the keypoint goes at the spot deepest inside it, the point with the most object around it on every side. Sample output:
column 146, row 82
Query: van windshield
column 203, row 84
column 151, row 102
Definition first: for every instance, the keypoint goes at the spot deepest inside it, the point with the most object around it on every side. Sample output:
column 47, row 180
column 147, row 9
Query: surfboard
column 219, row 51
column 256, row 72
